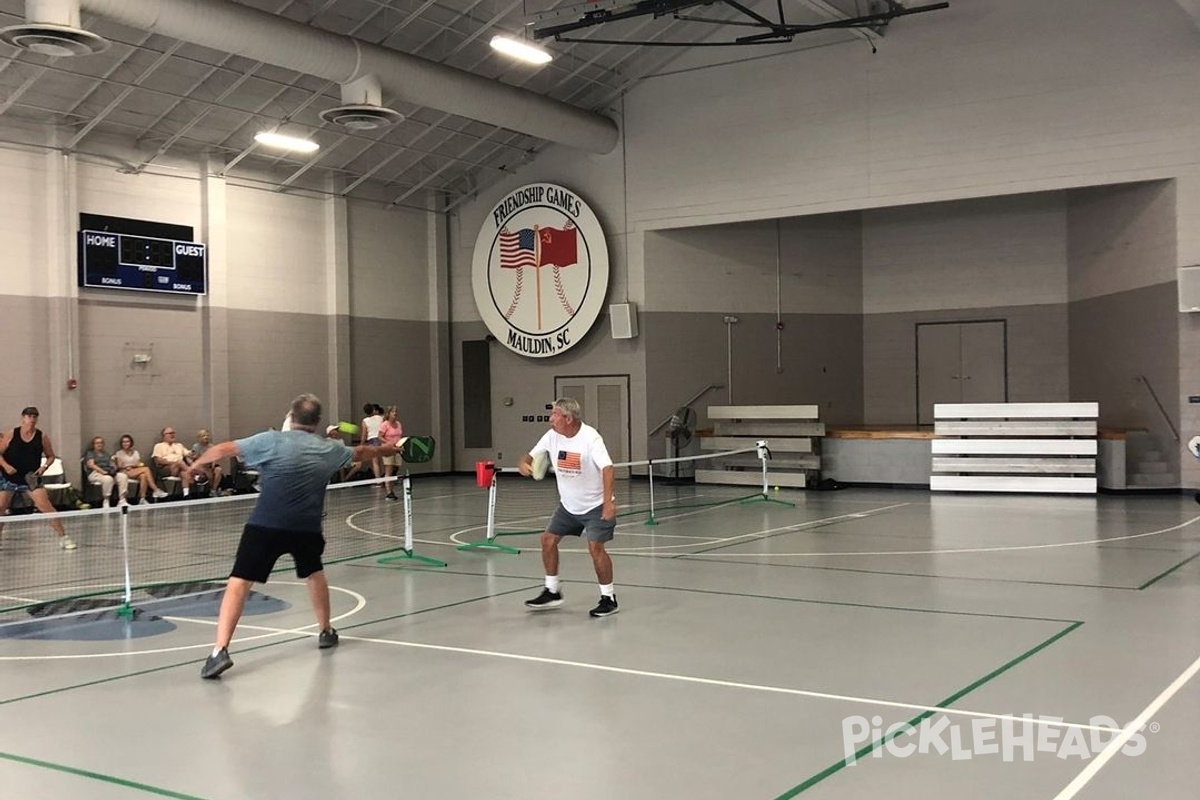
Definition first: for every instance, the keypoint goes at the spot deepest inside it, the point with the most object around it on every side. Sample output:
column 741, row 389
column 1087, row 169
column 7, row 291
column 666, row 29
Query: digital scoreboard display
column 109, row 260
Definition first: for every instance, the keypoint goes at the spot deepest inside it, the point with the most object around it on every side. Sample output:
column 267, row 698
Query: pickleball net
column 132, row 559
column 520, row 506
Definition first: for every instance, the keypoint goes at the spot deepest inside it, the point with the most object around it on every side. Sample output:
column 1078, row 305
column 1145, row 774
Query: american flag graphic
column 568, row 462
column 518, row 249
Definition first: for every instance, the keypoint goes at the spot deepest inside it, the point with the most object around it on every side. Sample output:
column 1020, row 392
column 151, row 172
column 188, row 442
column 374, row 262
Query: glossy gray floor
column 757, row 646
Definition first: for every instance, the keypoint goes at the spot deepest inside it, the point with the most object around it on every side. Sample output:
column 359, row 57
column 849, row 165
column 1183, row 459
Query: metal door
column 960, row 362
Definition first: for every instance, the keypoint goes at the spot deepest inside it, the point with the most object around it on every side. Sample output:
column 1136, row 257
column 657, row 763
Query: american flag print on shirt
column 568, row 462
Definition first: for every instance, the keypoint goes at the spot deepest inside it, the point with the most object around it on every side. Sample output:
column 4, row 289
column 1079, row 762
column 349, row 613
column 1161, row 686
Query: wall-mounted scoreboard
column 112, row 259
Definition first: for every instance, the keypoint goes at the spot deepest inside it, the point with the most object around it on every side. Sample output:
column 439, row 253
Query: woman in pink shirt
column 390, row 431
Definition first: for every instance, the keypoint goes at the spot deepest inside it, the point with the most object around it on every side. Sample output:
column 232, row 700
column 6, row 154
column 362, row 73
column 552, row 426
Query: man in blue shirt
column 294, row 468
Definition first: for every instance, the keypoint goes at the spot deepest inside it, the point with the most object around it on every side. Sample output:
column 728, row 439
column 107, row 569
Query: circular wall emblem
column 540, row 270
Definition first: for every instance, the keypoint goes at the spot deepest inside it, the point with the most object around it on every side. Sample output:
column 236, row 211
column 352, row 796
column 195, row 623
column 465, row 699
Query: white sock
column 552, row 583
column 607, row 590
column 217, row 650
column 185, row 491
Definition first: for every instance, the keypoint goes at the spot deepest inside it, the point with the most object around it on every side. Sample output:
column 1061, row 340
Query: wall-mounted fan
column 680, row 431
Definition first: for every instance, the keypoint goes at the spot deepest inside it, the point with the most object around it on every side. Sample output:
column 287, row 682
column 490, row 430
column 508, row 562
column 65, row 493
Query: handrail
column 693, row 399
column 1161, row 410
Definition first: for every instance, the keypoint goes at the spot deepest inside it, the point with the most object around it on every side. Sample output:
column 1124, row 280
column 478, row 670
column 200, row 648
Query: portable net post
column 764, row 454
column 486, row 471
column 126, row 610
column 408, row 554
column 650, row 520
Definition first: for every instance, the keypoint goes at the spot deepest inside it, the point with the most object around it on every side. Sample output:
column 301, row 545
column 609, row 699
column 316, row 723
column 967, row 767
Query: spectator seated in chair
column 100, row 471
column 172, row 459
column 210, row 475
column 129, row 461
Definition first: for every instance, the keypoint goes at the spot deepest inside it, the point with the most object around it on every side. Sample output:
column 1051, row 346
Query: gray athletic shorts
column 590, row 524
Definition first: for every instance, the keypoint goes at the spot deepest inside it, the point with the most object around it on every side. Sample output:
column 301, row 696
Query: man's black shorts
column 261, row 547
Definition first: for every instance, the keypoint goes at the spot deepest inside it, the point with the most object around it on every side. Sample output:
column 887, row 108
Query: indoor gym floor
column 750, row 637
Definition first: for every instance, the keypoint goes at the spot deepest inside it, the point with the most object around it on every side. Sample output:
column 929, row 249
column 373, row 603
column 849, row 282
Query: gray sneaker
column 327, row 639
column 216, row 664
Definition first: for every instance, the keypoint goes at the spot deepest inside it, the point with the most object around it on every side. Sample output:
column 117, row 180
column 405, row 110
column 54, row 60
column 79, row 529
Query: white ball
column 1194, row 446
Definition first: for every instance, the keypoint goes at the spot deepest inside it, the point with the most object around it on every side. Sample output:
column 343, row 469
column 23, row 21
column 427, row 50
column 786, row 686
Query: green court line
column 99, row 776
column 1162, row 575
column 792, row 793
column 915, row 721
column 751, row 596
column 914, row 574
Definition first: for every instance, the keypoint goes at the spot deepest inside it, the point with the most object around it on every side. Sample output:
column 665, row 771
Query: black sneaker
column 547, row 599
column 327, row 639
column 391, row 496
column 216, row 664
column 606, row 608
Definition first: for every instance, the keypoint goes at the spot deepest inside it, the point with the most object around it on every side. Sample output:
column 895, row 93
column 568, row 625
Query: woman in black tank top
column 21, row 453
column 24, row 457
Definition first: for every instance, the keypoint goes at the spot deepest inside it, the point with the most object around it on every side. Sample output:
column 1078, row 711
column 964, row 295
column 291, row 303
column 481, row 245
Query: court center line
column 1096, row 764
column 732, row 559
column 748, row 595
column 799, row 526
column 729, row 541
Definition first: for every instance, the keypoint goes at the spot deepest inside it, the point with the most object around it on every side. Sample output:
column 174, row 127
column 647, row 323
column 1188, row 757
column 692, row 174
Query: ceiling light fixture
column 520, row 50
column 284, row 142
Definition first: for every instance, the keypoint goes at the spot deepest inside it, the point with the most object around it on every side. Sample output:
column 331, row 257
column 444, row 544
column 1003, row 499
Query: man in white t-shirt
column 587, row 506
column 173, row 459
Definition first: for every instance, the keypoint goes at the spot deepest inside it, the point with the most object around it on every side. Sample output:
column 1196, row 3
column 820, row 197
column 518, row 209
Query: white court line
column 958, row 550
column 360, row 603
column 1097, row 763
column 621, row 526
column 718, row 540
column 1053, row 723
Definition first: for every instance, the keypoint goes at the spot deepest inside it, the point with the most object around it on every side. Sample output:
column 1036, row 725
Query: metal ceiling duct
column 362, row 107
column 231, row 28
column 51, row 28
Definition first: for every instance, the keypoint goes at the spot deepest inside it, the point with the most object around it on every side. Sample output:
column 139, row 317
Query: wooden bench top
column 926, row 432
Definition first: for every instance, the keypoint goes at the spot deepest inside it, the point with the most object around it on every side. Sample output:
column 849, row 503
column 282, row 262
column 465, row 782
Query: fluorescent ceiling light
column 285, row 142
column 520, row 50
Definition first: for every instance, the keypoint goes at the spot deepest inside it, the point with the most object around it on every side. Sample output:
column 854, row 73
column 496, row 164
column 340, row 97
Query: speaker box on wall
column 623, row 317
column 1189, row 288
